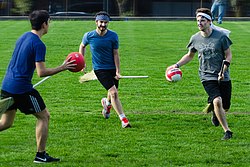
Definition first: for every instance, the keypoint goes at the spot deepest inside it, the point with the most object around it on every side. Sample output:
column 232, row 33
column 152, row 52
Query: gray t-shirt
column 210, row 53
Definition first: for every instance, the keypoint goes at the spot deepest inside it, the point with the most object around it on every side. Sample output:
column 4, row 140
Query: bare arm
column 42, row 71
column 228, row 55
column 117, row 62
column 228, row 58
column 82, row 49
column 184, row 60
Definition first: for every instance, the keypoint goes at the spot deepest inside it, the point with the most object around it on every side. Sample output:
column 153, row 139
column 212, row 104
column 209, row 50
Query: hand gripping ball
column 173, row 74
column 79, row 61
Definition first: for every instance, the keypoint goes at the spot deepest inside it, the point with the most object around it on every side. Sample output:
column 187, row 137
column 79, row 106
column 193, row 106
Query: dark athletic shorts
column 222, row 89
column 28, row 103
column 106, row 78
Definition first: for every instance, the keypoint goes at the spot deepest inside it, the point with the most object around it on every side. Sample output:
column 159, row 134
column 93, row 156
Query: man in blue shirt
column 104, row 45
column 28, row 55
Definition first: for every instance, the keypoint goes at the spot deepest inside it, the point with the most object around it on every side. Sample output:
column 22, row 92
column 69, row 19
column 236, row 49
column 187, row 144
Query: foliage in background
column 124, row 7
column 21, row 7
column 240, row 8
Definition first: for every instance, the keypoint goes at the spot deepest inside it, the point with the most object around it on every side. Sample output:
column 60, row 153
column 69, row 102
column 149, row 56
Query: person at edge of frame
column 28, row 55
column 218, row 7
column 213, row 48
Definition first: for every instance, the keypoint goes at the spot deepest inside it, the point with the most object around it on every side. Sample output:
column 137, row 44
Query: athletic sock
column 40, row 153
column 107, row 102
column 122, row 116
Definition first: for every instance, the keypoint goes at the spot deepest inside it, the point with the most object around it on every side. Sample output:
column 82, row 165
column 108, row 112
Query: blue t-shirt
column 29, row 49
column 101, row 48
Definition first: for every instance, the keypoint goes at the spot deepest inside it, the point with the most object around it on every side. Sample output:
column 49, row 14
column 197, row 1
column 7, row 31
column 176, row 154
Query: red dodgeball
column 79, row 61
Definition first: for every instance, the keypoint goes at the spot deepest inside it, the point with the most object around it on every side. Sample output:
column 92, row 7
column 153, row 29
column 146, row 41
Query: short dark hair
column 204, row 10
column 37, row 18
column 102, row 13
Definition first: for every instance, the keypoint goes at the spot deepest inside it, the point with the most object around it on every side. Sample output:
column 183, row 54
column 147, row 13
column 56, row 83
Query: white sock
column 122, row 116
column 107, row 102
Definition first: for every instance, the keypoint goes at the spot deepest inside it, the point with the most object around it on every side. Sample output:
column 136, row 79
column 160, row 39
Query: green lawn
column 169, row 128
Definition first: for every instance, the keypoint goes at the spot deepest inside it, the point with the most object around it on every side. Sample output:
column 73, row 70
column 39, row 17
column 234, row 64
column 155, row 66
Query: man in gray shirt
column 213, row 49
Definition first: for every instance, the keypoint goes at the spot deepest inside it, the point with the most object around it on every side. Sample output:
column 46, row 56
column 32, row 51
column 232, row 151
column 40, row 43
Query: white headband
column 204, row 15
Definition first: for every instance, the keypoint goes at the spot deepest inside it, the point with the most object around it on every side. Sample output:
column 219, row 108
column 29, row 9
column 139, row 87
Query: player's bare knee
column 217, row 101
column 43, row 115
column 5, row 125
column 113, row 92
column 47, row 115
column 114, row 95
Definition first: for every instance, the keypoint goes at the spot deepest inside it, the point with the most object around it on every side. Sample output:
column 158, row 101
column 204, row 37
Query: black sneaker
column 44, row 158
column 228, row 135
column 215, row 120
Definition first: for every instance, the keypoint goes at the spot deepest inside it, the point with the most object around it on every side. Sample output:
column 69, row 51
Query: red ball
column 79, row 61
column 173, row 74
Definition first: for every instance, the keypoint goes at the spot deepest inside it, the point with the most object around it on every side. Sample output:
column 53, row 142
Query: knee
column 113, row 94
column 7, row 119
column 47, row 115
column 217, row 101
column 5, row 125
column 43, row 115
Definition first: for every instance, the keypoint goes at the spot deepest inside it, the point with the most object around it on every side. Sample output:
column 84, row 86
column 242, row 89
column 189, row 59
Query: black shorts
column 222, row 89
column 107, row 78
column 28, row 103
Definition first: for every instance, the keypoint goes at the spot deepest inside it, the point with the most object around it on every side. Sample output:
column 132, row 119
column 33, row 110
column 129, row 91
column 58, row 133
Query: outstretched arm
column 184, row 60
column 42, row 71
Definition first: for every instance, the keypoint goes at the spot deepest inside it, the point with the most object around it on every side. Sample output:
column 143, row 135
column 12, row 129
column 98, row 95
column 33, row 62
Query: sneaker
column 208, row 108
column 44, row 158
column 106, row 108
column 215, row 120
column 228, row 135
column 125, row 123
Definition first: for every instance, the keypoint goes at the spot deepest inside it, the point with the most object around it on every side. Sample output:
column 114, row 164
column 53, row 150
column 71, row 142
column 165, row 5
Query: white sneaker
column 106, row 108
column 125, row 123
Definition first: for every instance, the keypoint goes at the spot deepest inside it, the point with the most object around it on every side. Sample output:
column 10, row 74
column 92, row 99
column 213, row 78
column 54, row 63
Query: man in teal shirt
column 104, row 45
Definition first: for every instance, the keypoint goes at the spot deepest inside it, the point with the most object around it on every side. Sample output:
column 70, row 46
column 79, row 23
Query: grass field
column 169, row 128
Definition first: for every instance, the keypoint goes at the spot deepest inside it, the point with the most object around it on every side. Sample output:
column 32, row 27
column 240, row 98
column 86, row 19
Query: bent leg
column 220, row 113
column 115, row 101
column 42, row 127
column 7, row 119
column 214, row 10
column 221, row 13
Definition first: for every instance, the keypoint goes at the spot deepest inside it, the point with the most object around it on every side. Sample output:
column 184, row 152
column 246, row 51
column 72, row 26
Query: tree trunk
column 122, row 6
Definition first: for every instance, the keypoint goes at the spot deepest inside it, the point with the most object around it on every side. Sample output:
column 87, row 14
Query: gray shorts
column 222, row 89
column 28, row 103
